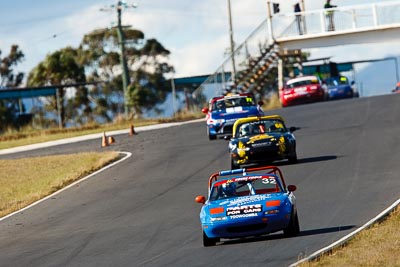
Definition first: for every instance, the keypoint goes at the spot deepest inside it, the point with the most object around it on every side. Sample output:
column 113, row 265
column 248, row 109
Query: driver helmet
column 229, row 188
column 220, row 104
column 244, row 130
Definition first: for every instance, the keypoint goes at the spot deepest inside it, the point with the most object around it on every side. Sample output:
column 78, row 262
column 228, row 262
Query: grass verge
column 378, row 245
column 24, row 181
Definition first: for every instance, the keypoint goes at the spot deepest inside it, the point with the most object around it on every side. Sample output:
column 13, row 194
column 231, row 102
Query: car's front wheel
column 211, row 136
column 234, row 166
column 208, row 242
column 293, row 158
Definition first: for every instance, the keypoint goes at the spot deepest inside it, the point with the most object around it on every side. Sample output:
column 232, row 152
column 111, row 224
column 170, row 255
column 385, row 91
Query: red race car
column 302, row 90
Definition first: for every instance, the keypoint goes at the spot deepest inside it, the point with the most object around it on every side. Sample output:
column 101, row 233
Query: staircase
column 255, row 57
column 254, row 76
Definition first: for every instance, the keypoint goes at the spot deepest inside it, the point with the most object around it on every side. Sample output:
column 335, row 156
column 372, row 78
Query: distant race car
column 339, row 87
column 223, row 111
column 261, row 140
column 247, row 202
column 302, row 90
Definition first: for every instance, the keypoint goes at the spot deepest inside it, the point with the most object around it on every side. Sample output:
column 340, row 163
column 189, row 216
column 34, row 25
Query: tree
column 8, row 77
column 58, row 68
column 147, row 63
column 9, row 109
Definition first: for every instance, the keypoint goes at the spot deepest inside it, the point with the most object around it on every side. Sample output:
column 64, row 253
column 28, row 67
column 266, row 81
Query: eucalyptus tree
column 9, row 78
column 60, row 68
column 147, row 64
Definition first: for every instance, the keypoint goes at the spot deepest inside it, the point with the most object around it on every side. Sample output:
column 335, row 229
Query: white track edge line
column 127, row 155
column 349, row 236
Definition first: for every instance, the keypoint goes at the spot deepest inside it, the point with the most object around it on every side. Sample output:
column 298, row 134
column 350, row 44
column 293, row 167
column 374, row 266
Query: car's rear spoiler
column 270, row 169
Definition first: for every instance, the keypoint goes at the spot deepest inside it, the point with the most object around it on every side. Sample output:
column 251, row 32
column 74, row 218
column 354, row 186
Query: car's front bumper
column 242, row 227
column 260, row 155
column 221, row 128
column 340, row 93
column 294, row 99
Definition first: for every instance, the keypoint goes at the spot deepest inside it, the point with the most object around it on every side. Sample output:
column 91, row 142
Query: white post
column 353, row 13
column 173, row 95
column 58, row 99
column 375, row 16
column 323, row 23
column 280, row 73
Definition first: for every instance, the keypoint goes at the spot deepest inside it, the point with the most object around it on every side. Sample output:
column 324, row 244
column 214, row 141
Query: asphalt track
column 141, row 212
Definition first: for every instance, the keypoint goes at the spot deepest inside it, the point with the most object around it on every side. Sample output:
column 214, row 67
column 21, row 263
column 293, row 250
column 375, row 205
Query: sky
column 196, row 32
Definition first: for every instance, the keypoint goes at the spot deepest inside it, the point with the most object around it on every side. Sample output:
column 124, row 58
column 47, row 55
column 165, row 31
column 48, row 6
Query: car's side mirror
column 260, row 103
column 204, row 110
column 292, row 129
column 291, row 188
column 200, row 199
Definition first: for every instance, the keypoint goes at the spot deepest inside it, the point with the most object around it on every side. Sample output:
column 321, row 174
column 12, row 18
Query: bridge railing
column 348, row 18
column 313, row 23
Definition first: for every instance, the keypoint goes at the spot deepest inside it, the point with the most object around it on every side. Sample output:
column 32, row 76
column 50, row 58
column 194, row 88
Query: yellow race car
column 261, row 140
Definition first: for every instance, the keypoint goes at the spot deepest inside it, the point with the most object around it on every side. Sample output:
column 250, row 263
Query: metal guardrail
column 313, row 23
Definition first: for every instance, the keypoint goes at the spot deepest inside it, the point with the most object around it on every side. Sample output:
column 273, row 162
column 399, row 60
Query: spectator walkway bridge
column 261, row 51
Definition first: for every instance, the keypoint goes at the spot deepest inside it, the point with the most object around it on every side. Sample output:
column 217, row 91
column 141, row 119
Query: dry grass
column 376, row 246
column 272, row 102
column 24, row 181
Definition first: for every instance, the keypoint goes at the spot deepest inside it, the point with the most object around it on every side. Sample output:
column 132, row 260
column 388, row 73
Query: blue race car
column 339, row 87
column 247, row 202
column 223, row 111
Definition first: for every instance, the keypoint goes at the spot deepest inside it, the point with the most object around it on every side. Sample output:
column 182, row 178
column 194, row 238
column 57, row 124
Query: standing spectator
column 329, row 15
column 297, row 9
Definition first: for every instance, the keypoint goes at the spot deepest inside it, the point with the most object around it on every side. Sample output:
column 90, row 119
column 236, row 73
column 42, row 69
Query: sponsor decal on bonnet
column 246, row 209
column 245, row 200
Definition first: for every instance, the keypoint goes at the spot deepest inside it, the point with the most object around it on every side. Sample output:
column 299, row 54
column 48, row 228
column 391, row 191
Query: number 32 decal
column 268, row 181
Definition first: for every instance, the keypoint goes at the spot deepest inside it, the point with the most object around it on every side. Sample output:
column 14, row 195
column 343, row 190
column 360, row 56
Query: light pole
column 233, row 75
column 121, row 40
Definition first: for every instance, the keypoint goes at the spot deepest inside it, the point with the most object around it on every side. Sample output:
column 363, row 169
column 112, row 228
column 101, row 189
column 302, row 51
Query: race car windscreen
column 244, row 187
column 260, row 127
column 302, row 83
column 232, row 102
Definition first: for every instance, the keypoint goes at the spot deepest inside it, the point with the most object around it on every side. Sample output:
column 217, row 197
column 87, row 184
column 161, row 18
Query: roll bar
column 271, row 169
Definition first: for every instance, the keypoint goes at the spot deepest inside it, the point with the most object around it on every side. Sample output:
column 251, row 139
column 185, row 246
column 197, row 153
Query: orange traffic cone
column 132, row 130
column 111, row 140
column 104, row 141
